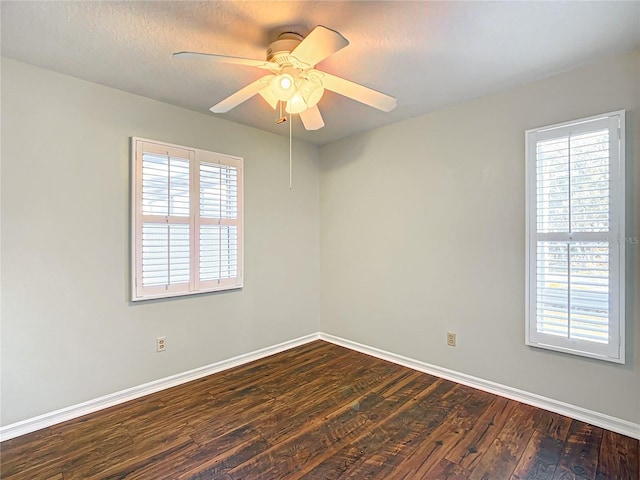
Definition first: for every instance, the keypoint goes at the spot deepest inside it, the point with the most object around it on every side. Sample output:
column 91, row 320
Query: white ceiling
column 427, row 54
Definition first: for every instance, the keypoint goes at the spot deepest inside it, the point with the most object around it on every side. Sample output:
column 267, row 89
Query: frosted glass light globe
column 296, row 104
column 283, row 87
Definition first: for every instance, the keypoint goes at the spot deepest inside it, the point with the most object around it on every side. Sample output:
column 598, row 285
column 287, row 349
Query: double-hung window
column 186, row 220
column 575, row 237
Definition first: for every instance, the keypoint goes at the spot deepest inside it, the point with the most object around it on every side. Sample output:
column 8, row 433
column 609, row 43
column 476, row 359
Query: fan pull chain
column 290, row 157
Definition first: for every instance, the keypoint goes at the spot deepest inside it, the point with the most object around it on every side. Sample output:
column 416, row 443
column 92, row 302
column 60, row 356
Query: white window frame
column 613, row 351
column 196, row 157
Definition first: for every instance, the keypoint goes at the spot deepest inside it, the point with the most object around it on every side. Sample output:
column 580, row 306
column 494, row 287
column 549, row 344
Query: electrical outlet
column 451, row 339
column 161, row 344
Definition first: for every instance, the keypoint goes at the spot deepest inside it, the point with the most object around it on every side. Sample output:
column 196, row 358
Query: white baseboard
column 48, row 419
column 608, row 422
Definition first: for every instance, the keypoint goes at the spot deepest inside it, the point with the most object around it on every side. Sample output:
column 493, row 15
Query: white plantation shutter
column 219, row 223
column 575, row 241
column 187, row 220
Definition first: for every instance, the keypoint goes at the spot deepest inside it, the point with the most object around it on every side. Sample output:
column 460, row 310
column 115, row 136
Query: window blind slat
column 218, row 191
column 218, row 252
column 573, row 173
column 573, row 289
column 165, row 185
column 165, row 254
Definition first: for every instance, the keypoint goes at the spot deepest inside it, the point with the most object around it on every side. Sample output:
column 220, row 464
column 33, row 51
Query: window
column 575, row 237
column 186, row 220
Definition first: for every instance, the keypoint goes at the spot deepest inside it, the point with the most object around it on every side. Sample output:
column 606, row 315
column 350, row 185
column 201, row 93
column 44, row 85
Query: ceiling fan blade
column 358, row 92
column 318, row 45
column 311, row 118
column 226, row 59
column 241, row 95
column 269, row 97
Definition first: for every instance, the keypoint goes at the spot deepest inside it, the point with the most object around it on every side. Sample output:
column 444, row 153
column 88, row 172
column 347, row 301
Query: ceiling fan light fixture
column 283, row 87
column 293, row 79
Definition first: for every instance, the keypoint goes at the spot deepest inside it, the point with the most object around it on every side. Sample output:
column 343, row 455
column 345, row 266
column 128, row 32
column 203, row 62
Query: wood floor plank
column 432, row 449
column 375, row 442
column 32, row 471
column 348, row 387
column 176, row 461
column 127, row 460
column 618, row 458
column 219, row 412
column 469, row 449
column 579, row 460
column 243, row 380
column 309, row 439
column 226, row 406
column 320, row 412
column 108, row 418
column 210, row 464
column 541, row 457
column 292, row 409
column 20, row 454
column 407, row 432
column 71, row 450
column 264, row 373
column 445, row 470
column 503, row 455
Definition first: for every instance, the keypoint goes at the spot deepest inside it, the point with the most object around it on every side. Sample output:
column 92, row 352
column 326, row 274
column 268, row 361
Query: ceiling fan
column 293, row 78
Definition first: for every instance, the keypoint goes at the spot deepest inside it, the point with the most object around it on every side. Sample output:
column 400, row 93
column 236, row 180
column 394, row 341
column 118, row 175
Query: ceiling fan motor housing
column 279, row 50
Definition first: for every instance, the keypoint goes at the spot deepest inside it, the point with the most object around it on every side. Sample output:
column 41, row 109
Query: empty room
column 247, row 240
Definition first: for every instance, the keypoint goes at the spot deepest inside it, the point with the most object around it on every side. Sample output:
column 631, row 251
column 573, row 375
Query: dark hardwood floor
column 321, row 412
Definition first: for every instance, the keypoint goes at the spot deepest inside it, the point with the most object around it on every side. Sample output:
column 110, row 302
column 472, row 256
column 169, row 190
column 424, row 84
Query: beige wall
column 423, row 231
column 69, row 333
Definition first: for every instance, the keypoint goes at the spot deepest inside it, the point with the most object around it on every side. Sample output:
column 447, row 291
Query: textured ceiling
column 427, row 54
